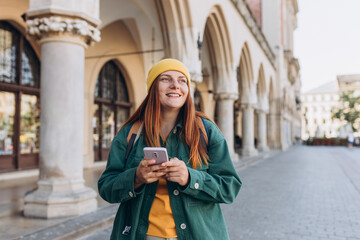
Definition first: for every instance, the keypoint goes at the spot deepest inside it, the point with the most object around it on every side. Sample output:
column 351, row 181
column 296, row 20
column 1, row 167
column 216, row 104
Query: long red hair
column 149, row 113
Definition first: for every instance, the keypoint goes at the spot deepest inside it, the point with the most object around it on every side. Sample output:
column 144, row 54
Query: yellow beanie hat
column 167, row 64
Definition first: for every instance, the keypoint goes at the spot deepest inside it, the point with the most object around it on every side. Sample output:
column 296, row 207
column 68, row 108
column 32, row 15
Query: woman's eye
column 182, row 81
column 164, row 79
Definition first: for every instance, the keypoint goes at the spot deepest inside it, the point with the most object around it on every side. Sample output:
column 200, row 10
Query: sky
column 327, row 40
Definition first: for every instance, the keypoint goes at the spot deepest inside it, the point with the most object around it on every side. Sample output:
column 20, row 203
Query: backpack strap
column 133, row 136
column 133, row 130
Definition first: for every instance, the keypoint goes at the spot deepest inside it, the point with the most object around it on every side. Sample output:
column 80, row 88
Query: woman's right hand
column 147, row 172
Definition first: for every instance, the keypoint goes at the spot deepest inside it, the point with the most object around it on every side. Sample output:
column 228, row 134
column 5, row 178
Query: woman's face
column 173, row 90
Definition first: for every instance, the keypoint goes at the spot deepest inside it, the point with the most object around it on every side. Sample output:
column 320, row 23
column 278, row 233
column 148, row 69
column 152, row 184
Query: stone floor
column 12, row 222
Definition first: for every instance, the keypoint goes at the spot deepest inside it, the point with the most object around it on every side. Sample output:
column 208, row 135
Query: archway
column 217, row 59
column 260, row 118
column 246, row 102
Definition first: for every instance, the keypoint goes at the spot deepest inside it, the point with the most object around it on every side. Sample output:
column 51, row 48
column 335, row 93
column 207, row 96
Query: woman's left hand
column 176, row 171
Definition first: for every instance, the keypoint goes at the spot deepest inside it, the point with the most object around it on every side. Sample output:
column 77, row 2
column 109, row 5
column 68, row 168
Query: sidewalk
column 15, row 226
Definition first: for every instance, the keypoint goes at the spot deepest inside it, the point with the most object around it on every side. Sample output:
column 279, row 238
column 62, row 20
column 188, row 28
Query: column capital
column 62, row 27
column 260, row 111
column 226, row 96
column 247, row 106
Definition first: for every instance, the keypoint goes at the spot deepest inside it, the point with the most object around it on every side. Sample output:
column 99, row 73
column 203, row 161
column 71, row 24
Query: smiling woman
column 157, row 200
column 173, row 91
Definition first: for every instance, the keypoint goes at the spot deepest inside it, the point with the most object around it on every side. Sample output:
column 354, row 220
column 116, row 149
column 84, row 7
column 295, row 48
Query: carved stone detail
column 39, row 27
column 226, row 96
column 250, row 20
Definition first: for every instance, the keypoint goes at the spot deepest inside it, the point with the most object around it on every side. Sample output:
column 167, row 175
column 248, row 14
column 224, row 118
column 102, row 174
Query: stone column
column 61, row 191
column 248, row 145
column 225, row 111
column 262, row 138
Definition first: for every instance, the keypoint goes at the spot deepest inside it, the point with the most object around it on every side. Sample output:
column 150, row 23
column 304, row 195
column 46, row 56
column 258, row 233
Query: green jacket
column 195, row 208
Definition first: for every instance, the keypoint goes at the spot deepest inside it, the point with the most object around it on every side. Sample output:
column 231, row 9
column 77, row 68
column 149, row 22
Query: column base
column 234, row 157
column 263, row 148
column 60, row 199
column 248, row 152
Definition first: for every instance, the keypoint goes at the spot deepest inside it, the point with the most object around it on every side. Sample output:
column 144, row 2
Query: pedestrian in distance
column 179, row 198
column 350, row 140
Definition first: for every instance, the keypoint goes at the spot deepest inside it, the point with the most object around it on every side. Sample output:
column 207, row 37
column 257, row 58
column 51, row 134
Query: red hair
column 149, row 113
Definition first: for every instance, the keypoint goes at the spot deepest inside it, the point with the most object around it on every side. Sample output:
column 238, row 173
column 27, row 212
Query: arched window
column 197, row 100
column 112, row 108
column 19, row 101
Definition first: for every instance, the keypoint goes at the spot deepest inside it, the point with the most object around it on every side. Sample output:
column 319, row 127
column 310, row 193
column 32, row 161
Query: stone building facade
column 319, row 103
column 78, row 70
column 317, row 106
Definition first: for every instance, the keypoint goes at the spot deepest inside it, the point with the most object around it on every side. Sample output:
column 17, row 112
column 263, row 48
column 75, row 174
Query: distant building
column 349, row 82
column 318, row 104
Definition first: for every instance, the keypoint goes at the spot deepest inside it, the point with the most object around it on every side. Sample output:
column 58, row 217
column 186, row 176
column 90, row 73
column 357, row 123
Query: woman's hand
column 176, row 171
column 147, row 172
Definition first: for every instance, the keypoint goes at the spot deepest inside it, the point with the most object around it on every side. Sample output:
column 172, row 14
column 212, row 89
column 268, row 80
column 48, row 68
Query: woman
column 178, row 199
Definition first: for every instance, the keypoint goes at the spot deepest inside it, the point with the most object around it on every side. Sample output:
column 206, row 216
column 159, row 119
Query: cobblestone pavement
column 303, row 193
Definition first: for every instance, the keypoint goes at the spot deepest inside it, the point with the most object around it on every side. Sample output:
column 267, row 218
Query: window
column 111, row 110
column 19, row 101
column 197, row 100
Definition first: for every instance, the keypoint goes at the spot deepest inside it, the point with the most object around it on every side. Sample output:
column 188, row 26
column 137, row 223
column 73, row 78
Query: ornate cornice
column 45, row 26
column 250, row 21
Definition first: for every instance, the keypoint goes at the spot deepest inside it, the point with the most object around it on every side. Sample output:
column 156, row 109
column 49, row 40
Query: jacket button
column 174, row 132
column 176, row 192
column 196, row 185
column 131, row 194
column 183, row 226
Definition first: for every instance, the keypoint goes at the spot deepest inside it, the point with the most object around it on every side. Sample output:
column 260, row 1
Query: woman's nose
column 175, row 84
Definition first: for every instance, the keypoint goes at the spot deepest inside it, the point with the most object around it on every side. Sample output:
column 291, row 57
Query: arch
column 108, row 50
column 174, row 18
column 261, row 91
column 131, row 66
column 246, row 77
column 216, row 56
column 272, row 132
column 218, row 32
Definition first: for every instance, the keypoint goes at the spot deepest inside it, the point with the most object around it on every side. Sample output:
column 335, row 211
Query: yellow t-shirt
column 161, row 220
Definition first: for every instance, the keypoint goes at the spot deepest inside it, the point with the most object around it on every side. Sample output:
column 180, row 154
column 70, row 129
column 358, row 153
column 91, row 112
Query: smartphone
column 157, row 153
